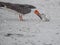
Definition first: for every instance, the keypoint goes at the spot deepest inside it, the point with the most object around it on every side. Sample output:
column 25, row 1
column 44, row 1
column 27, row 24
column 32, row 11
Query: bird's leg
column 20, row 17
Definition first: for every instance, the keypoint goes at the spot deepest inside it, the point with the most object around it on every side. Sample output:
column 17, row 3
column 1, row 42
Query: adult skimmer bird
column 22, row 9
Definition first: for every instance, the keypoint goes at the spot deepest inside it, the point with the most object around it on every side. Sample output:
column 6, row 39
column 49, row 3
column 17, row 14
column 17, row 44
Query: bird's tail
column 2, row 4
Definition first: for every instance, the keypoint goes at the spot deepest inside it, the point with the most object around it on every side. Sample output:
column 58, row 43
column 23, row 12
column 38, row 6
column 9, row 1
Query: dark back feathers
column 21, row 8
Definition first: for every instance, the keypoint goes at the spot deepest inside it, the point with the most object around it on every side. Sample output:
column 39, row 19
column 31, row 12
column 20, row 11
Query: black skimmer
column 22, row 9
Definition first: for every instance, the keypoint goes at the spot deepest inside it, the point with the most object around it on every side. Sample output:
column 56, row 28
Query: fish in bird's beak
column 38, row 14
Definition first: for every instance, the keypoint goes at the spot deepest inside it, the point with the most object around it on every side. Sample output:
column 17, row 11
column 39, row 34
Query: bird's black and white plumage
column 20, row 8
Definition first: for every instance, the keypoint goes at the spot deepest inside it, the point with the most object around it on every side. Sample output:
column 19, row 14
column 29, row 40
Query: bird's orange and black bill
column 38, row 14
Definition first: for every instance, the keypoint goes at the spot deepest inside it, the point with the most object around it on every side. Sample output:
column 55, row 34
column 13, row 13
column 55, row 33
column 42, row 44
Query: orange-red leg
column 20, row 17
